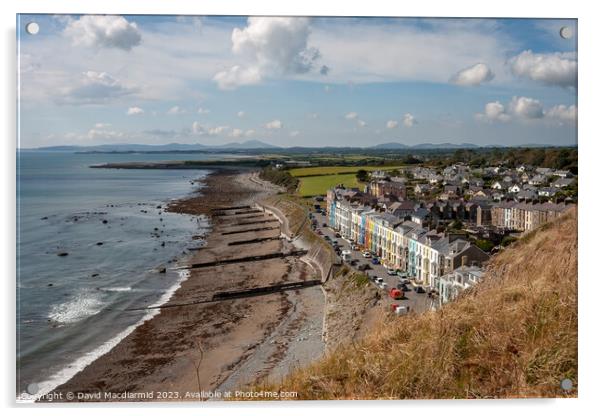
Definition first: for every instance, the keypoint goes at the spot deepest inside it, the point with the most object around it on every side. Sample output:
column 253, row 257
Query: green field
column 318, row 185
column 335, row 170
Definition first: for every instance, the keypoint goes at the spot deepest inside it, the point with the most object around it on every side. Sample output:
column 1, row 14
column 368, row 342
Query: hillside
column 514, row 335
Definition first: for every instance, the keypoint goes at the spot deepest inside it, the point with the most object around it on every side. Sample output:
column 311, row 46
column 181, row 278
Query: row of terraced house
column 522, row 216
column 404, row 245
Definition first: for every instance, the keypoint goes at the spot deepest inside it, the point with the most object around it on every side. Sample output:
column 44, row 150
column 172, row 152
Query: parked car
column 366, row 254
column 391, row 272
column 353, row 262
column 324, row 225
column 326, row 238
column 404, row 281
column 337, row 235
column 319, row 232
column 405, row 288
column 379, row 280
column 364, row 267
column 384, row 286
column 402, row 310
column 396, row 294
column 402, row 274
column 419, row 289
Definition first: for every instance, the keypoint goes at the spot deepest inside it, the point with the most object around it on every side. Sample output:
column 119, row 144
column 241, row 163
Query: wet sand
column 184, row 352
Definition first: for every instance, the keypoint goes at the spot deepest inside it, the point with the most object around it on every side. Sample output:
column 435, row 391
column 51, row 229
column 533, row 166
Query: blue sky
column 296, row 81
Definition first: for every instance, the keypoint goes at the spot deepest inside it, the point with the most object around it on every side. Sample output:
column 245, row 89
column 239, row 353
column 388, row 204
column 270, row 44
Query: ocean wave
column 117, row 289
column 81, row 306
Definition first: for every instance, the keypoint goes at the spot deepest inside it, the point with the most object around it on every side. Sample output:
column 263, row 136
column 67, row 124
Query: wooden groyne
column 276, row 255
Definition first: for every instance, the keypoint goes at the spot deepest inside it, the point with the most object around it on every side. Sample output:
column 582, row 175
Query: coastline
column 180, row 352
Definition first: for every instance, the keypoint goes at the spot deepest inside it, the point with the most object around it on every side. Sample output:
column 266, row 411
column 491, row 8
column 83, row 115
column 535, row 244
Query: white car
column 402, row 310
column 391, row 272
column 366, row 254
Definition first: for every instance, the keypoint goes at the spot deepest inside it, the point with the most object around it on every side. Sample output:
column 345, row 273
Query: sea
column 91, row 244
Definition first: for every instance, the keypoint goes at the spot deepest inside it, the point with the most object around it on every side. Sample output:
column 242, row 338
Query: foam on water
column 83, row 305
column 117, row 289
column 69, row 371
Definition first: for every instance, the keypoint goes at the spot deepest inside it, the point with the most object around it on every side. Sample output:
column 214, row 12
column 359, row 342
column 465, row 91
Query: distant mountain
column 259, row 145
column 390, row 145
column 249, row 144
column 445, row 146
column 171, row 147
column 424, row 146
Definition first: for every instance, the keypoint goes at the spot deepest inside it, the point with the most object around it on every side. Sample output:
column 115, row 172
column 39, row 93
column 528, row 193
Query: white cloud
column 273, row 125
column 237, row 76
column 175, row 110
column 103, row 134
column 361, row 123
column 558, row 69
column 198, row 129
column 351, row 116
column 409, row 120
column 202, row 110
column 295, row 133
column 525, row 108
column 103, row 32
column 271, row 46
column 236, row 133
column 494, row 111
column 473, row 75
column 92, row 87
column 132, row 111
column 250, row 133
column 391, row 124
column 562, row 113
column 240, row 114
column 214, row 131
column 101, row 125
column 361, row 51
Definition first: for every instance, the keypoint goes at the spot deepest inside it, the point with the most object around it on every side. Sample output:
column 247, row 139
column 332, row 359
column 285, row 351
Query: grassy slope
column 318, row 185
column 334, row 170
column 514, row 335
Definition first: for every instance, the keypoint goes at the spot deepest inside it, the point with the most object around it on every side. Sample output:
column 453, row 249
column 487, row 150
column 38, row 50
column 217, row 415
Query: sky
column 295, row 81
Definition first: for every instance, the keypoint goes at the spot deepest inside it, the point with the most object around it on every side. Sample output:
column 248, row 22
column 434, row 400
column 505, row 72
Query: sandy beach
column 190, row 350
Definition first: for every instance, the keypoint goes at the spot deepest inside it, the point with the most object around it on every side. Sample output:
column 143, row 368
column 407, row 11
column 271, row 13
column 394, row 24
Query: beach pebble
column 162, row 269
column 95, row 275
column 100, row 243
column 105, row 221
column 62, row 254
column 44, row 218
column 50, row 284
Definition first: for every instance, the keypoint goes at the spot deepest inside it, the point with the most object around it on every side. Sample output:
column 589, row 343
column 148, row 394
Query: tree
column 362, row 175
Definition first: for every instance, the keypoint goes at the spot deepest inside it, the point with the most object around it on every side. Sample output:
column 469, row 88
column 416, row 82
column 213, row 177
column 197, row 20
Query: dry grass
column 514, row 335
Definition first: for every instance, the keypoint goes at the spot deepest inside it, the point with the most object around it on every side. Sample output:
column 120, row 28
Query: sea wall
column 296, row 228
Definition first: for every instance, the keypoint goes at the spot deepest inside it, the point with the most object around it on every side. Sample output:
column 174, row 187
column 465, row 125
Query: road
column 418, row 302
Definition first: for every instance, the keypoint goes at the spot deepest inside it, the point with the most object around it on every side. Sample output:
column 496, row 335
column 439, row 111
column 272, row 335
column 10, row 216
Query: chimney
column 464, row 261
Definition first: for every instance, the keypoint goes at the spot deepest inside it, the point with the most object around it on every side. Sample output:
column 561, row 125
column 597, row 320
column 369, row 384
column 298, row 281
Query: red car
column 396, row 294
